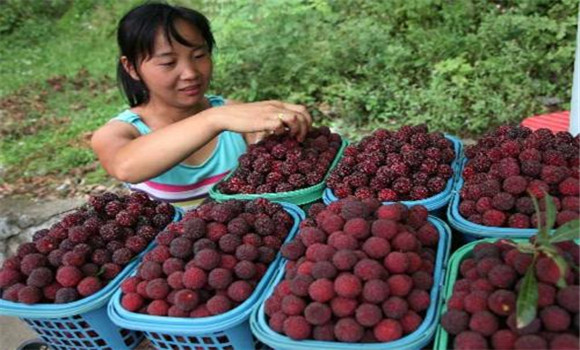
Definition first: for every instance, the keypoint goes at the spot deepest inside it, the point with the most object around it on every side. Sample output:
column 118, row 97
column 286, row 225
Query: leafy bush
column 460, row 66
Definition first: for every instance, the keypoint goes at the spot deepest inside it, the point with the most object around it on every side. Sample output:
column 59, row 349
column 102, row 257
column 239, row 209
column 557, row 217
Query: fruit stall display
column 360, row 272
column 280, row 168
column 503, row 169
column 61, row 282
column 410, row 165
column 205, row 274
column 366, row 269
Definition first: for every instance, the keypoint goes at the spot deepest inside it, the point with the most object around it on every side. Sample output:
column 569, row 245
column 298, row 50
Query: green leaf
column 527, row 299
column 542, row 235
column 550, row 212
column 101, row 271
column 566, row 232
column 526, row 247
column 552, row 252
column 563, row 266
column 548, row 249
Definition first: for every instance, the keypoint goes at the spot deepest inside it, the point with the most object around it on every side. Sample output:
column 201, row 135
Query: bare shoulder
column 230, row 102
column 113, row 132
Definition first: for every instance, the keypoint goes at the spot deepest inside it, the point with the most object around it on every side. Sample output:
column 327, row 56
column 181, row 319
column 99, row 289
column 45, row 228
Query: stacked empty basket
column 416, row 340
column 228, row 331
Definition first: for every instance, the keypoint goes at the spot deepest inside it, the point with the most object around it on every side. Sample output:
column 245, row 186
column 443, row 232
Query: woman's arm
column 132, row 158
column 249, row 137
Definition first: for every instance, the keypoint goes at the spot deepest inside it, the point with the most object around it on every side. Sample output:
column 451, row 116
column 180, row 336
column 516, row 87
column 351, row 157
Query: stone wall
column 20, row 219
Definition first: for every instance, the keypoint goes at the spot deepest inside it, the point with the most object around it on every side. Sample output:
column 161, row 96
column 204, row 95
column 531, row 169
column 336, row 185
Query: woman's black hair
column 136, row 39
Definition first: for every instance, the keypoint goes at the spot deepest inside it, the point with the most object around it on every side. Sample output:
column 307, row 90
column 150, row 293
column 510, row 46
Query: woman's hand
column 269, row 116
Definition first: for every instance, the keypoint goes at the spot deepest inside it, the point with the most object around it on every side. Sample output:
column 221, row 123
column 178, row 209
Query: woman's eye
column 167, row 64
column 199, row 54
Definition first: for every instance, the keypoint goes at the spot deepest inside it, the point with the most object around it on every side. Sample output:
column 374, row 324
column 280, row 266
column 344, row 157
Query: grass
column 57, row 87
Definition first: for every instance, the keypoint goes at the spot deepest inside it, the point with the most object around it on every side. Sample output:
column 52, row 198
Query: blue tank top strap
column 133, row 119
column 215, row 100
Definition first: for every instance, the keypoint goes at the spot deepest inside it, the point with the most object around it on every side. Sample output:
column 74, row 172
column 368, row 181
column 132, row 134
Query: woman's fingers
column 290, row 120
column 302, row 127
column 303, row 119
column 301, row 110
column 275, row 123
column 277, row 116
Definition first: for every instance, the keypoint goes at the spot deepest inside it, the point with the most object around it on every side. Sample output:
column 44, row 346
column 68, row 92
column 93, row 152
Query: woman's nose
column 189, row 71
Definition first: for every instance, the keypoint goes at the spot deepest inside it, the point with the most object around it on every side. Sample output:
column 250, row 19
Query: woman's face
column 176, row 75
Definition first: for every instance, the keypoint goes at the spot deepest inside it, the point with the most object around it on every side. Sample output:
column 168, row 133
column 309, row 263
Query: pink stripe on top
column 181, row 188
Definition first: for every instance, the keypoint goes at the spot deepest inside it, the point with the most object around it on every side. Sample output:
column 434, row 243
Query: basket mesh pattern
column 216, row 341
column 76, row 333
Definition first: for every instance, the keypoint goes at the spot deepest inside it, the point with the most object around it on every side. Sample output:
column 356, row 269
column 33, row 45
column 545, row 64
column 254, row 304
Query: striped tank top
column 186, row 186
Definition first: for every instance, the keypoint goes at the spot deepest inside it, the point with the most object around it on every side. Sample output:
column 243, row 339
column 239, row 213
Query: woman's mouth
column 191, row 90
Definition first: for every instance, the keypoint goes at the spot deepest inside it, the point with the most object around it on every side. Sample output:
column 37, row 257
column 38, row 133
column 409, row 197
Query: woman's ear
column 129, row 68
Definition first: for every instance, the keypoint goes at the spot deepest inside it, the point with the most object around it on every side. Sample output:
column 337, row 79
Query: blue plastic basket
column 83, row 323
column 228, row 331
column 80, row 324
column 435, row 204
column 416, row 340
column 472, row 231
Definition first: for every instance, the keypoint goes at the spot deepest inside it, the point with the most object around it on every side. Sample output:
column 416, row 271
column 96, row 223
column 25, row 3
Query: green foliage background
column 460, row 66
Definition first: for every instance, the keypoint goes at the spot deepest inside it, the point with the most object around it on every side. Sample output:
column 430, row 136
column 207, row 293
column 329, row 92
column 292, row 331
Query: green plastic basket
column 442, row 337
column 298, row 197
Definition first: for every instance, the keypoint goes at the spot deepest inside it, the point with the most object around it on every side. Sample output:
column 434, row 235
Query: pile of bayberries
column 483, row 307
column 358, row 272
column 510, row 163
column 79, row 255
column 408, row 164
column 279, row 163
column 210, row 261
